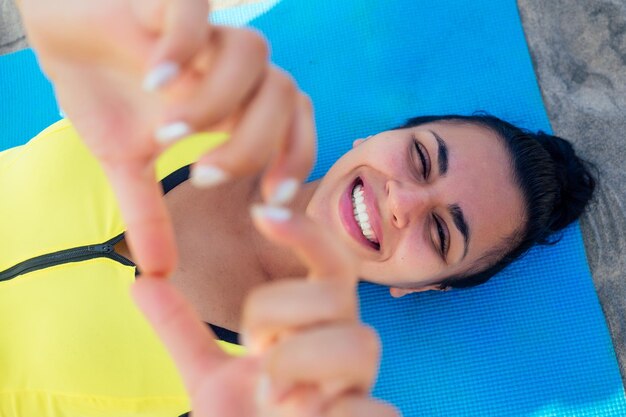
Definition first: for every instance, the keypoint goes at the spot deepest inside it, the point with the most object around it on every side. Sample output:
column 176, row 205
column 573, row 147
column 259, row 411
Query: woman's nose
column 406, row 202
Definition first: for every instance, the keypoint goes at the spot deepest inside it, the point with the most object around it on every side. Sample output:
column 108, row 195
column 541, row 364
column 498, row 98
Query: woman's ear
column 357, row 143
column 401, row 292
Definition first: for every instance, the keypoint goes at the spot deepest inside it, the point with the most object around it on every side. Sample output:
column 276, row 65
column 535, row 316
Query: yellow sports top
column 72, row 343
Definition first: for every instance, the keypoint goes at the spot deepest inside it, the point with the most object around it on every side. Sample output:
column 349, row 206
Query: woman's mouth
column 356, row 216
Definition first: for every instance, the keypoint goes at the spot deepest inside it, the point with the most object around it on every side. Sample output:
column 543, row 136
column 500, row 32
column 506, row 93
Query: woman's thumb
column 321, row 251
column 182, row 28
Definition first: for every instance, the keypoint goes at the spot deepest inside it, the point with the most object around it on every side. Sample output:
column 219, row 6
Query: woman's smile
column 360, row 215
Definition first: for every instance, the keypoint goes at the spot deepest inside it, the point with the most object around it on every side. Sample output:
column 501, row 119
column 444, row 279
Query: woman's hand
column 200, row 77
column 311, row 356
column 317, row 358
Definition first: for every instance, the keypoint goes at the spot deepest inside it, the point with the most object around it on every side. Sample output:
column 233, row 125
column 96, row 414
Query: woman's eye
column 424, row 158
column 444, row 243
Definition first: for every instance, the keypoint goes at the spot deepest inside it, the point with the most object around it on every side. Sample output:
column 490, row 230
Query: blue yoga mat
column 532, row 341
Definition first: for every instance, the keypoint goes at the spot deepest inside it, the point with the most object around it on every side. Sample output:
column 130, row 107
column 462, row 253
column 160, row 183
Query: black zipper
column 82, row 253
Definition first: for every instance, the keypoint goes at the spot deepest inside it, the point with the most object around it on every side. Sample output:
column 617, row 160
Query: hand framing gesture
column 195, row 77
column 310, row 354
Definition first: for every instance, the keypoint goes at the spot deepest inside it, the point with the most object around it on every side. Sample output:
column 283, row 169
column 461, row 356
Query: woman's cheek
column 415, row 262
column 391, row 158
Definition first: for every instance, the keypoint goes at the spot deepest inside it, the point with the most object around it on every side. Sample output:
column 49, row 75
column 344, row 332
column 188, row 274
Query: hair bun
column 575, row 181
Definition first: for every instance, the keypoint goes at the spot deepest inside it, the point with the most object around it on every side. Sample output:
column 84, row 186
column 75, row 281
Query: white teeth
column 360, row 214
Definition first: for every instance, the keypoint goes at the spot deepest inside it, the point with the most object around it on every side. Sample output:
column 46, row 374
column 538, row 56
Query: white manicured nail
column 275, row 214
column 171, row 132
column 204, row 176
column 160, row 75
column 285, row 191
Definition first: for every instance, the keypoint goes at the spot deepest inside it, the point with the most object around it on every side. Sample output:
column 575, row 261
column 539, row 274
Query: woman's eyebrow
column 442, row 153
column 461, row 225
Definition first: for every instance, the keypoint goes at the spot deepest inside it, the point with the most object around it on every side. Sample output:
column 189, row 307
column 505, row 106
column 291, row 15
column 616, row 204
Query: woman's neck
column 222, row 255
column 277, row 261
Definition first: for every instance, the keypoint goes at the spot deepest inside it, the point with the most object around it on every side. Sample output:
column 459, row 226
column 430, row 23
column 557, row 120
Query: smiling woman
column 419, row 207
column 441, row 202
column 448, row 201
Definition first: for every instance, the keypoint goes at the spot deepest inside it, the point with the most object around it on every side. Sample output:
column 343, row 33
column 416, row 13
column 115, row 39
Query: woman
column 422, row 193
column 412, row 191
column 430, row 215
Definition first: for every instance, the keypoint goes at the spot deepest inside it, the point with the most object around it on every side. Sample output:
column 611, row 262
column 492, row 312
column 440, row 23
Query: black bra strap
column 175, row 179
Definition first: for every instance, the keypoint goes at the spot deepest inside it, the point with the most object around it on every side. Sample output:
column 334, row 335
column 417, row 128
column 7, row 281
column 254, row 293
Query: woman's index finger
column 188, row 340
column 149, row 229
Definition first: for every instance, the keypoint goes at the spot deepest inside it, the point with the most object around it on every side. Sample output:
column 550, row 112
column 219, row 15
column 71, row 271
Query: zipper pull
column 100, row 248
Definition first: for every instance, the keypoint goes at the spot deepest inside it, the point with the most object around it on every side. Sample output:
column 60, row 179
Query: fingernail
column 171, row 132
column 204, row 176
column 276, row 214
column 263, row 391
column 160, row 75
column 285, row 191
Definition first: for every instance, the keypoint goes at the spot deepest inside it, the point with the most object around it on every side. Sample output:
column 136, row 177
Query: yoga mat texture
column 532, row 341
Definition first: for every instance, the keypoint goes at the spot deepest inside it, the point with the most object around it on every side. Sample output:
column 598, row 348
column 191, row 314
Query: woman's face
column 437, row 197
